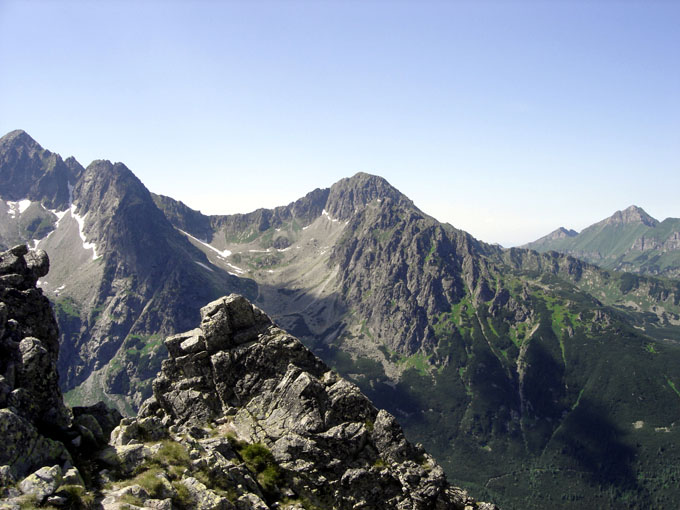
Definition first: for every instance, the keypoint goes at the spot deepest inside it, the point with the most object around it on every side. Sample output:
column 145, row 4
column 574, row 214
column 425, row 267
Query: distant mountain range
column 560, row 379
column 630, row 240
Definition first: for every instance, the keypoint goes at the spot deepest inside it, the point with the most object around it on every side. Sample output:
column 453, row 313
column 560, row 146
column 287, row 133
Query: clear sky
column 507, row 119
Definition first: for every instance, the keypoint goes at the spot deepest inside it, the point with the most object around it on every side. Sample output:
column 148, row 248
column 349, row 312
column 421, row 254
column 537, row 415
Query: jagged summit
column 19, row 136
column 350, row 194
column 29, row 172
column 631, row 215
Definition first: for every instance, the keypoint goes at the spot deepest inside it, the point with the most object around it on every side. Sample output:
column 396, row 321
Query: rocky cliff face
column 328, row 446
column 35, row 184
column 30, row 401
column 394, row 261
column 145, row 282
column 666, row 244
column 43, row 440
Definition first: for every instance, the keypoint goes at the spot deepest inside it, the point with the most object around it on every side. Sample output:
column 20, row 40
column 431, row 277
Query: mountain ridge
column 629, row 240
column 508, row 356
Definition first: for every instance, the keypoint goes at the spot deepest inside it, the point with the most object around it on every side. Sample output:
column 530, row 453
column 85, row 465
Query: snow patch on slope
column 81, row 225
column 18, row 207
column 325, row 213
column 237, row 269
column 204, row 266
column 223, row 254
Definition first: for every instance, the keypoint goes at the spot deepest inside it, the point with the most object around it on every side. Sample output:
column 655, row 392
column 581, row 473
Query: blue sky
column 507, row 119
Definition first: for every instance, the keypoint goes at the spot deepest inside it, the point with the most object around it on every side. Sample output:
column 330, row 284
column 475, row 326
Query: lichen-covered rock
column 24, row 448
column 130, row 456
column 42, row 483
column 203, row 498
column 114, row 500
column 72, row 477
column 6, row 476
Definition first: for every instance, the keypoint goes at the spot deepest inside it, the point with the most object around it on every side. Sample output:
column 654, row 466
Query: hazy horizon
column 507, row 120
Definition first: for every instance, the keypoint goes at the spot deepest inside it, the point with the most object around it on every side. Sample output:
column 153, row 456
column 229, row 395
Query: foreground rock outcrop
column 31, row 405
column 240, row 383
column 43, row 441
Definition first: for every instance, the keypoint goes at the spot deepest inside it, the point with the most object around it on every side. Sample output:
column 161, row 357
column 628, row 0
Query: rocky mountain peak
column 27, row 171
column 631, row 215
column 110, row 195
column 351, row 194
column 19, row 138
column 563, row 232
column 102, row 178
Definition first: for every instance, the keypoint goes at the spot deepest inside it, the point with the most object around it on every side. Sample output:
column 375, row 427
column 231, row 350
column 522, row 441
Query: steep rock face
column 38, row 431
column 185, row 218
column 29, row 337
column 34, row 184
column 334, row 448
column 397, row 262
